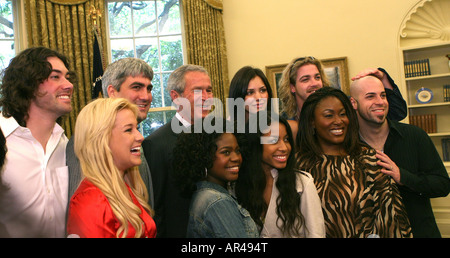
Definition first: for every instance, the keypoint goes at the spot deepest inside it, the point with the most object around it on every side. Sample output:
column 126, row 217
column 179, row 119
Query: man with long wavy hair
column 36, row 90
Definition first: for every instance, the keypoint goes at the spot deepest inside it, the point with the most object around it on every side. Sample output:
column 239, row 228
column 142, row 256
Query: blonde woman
column 111, row 200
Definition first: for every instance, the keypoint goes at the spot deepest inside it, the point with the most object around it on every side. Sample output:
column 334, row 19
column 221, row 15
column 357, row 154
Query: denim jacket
column 215, row 213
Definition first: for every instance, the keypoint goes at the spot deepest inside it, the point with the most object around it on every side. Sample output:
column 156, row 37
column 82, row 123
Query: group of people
column 329, row 165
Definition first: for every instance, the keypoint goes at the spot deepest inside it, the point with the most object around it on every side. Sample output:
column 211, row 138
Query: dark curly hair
column 21, row 79
column 252, row 180
column 194, row 152
column 3, row 148
column 3, row 151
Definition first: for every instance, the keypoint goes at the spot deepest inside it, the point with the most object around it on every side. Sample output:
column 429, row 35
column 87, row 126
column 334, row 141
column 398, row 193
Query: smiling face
column 227, row 161
column 369, row 100
column 196, row 91
column 126, row 140
column 308, row 80
column 54, row 94
column 138, row 90
column 257, row 95
column 277, row 149
column 331, row 124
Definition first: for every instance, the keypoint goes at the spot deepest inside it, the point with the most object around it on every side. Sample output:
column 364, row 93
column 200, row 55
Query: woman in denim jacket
column 205, row 164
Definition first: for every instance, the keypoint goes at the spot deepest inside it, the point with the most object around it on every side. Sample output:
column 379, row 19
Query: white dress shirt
column 34, row 202
column 310, row 207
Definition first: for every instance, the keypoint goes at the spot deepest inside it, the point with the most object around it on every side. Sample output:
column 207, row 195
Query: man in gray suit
column 129, row 78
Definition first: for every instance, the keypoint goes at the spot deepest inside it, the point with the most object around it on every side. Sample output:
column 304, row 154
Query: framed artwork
column 336, row 70
column 273, row 74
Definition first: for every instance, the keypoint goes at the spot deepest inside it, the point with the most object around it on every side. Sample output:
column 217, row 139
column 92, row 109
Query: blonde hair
column 92, row 136
column 289, row 77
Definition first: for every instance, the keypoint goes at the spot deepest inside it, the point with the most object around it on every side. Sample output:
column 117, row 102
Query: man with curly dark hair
column 36, row 90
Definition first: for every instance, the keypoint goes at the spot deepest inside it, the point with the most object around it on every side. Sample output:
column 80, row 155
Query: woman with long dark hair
column 282, row 200
column 250, row 91
column 358, row 200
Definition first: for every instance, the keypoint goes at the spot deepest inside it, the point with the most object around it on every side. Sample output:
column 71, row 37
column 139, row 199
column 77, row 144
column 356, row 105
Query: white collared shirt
column 310, row 207
column 34, row 201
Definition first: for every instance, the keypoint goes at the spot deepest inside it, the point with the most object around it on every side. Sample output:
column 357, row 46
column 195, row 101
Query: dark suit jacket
column 171, row 208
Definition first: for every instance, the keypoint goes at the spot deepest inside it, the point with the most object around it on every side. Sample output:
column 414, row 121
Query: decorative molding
column 428, row 19
column 408, row 16
column 68, row 2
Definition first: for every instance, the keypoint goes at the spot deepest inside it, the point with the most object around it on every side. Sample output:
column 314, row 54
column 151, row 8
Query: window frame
column 18, row 23
column 183, row 42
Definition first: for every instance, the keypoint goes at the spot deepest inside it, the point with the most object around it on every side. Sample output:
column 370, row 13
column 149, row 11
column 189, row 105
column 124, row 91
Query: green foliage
column 151, row 31
column 6, row 33
column 155, row 120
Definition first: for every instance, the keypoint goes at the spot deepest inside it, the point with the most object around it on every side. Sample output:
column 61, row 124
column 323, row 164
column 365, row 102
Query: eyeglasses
column 301, row 59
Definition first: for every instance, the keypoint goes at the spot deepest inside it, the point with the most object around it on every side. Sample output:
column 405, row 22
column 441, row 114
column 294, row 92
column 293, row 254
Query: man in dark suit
column 189, row 87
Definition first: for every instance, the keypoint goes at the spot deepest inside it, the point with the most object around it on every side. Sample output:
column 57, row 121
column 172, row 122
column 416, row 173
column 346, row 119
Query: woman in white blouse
column 281, row 200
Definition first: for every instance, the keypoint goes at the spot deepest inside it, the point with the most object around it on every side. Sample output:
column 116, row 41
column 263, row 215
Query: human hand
column 388, row 166
column 369, row 71
column 377, row 73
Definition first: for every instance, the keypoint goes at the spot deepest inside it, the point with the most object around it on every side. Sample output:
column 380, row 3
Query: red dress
column 91, row 216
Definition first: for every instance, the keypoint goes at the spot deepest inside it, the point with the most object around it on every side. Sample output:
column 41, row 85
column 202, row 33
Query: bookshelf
column 432, row 111
column 428, row 39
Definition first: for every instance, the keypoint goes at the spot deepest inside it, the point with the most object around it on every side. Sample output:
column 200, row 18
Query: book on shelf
column 446, row 149
column 415, row 68
column 447, row 93
column 427, row 122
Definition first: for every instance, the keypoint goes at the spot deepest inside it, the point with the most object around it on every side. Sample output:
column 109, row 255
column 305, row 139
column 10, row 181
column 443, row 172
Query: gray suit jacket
column 75, row 172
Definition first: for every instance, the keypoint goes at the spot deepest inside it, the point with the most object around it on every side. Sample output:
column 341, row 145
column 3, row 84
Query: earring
column 206, row 172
